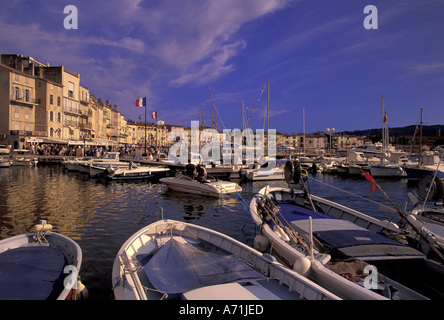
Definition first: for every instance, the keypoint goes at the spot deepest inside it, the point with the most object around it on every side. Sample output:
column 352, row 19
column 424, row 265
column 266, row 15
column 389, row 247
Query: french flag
column 154, row 115
column 141, row 102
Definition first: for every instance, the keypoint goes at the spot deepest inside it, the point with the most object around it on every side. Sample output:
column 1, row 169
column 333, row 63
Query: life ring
column 434, row 184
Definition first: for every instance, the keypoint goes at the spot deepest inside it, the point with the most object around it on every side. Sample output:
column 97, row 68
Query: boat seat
column 230, row 291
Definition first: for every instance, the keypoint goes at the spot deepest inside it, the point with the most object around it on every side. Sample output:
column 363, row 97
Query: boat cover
column 179, row 267
column 31, row 273
column 351, row 239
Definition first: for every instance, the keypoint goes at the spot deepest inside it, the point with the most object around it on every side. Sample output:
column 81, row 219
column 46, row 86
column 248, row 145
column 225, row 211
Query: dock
column 225, row 172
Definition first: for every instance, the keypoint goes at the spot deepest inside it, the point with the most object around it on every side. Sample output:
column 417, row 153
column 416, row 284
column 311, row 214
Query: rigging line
column 348, row 192
column 257, row 101
column 217, row 112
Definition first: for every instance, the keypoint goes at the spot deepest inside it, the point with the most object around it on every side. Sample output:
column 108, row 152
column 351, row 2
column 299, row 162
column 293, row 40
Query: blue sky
column 316, row 54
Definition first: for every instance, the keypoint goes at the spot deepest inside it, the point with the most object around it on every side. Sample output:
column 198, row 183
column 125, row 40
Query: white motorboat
column 387, row 171
column 257, row 172
column 214, row 188
column 97, row 166
column 77, row 164
column 176, row 260
column 329, row 166
column 42, row 265
column 341, row 250
column 431, row 165
column 134, row 172
column 22, row 157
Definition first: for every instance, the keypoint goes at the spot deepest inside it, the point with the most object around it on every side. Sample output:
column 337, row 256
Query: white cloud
column 214, row 68
column 198, row 37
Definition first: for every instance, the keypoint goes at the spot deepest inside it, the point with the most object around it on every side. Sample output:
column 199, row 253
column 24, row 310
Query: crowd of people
column 90, row 151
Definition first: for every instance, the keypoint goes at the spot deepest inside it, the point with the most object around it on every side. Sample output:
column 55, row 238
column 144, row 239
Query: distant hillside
column 433, row 130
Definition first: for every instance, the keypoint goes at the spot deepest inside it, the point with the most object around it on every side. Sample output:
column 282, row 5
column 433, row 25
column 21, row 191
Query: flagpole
column 157, row 138
column 145, row 130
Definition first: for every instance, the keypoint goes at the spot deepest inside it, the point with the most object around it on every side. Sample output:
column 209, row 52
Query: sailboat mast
column 420, row 138
column 243, row 113
column 213, row 116
column 303, row 125
column 268, row 107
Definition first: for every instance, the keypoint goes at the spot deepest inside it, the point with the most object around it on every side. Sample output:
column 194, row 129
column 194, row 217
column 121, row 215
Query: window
column 16, row 113
column 16, row 93
column 58, row 101
column 51, row 99
column 59, row 117
column 70, row 89
column 27, row 114
column 27, row 95
column 51, row 116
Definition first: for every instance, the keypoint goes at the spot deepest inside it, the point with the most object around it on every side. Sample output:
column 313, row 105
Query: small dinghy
column 43, row 265
column 176, row 260
column 212, row 188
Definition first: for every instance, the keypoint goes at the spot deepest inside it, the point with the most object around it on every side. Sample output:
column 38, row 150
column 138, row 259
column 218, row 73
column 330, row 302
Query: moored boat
column 134, row 172
column 214, row 188
column 5, row 162
column 176, row 260
column 22, row 157
column 387, row 171
column 342, row 249
column 262, row 173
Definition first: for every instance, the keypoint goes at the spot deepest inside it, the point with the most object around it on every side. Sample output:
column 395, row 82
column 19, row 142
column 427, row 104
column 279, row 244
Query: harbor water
column 100, row 216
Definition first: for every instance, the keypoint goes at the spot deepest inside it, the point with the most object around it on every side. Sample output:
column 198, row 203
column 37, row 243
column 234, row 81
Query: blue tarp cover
column 334, row 238
column 31, row 273
column 179, row 267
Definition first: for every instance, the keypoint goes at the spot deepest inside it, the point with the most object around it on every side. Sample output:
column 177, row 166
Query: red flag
column 384, row 119
column 374, row 187
column 154, row 115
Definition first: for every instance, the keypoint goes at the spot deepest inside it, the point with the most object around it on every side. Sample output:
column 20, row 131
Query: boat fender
column 302, row 266
column 42, row 227
column 413, row 221
column 81, row 293
column 429, row 236
column 281, row 233
column 261, row 243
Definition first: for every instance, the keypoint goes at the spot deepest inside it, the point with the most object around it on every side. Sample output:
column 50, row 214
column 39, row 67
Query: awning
column 47, row 140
